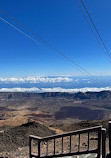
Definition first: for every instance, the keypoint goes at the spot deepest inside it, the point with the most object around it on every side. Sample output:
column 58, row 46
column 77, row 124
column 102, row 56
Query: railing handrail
column 86, row 130
column 35, row 137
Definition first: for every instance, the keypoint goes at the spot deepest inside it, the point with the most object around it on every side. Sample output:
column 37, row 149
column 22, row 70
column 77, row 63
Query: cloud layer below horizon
column 56, row 89
column 35, row 80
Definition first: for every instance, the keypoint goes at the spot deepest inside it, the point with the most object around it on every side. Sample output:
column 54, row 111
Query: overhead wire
column 92, row 32
column 93, row 24
column 20, row 31
column 71, row 61
column 100, row 44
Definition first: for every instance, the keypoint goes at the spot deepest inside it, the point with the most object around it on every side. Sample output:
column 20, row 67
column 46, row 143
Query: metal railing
column 109, row 131
column 67, row 139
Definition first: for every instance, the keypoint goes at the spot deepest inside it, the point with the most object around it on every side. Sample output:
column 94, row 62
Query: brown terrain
column 42, row 114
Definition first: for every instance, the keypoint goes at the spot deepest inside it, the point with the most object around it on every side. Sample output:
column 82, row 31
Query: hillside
column 16, row 108
column 22, row 114
column 14, row 139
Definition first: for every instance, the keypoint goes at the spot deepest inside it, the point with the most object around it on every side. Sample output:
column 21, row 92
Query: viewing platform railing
column 109, row 131
column 78, row 142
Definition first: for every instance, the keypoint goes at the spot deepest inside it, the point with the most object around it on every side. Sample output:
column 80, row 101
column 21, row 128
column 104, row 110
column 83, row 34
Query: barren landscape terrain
column 42, row 114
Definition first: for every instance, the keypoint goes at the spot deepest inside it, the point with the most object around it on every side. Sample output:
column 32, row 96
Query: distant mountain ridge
column 78, row 96
column 48, row 107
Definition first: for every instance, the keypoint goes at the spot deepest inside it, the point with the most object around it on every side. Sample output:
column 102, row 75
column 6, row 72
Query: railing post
column 109, row 127
column 103, row 143
column 30, row 147
column 62, row 144
column 39, row 147
column 54, row 146
column 70, row 143
column 99, row 142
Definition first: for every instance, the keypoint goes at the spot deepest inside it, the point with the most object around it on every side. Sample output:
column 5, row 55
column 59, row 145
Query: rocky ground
column 17, row 138
column 22, row 114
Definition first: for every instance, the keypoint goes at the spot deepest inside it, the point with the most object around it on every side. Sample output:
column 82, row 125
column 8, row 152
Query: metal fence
column 63, row 144
column 109, row 131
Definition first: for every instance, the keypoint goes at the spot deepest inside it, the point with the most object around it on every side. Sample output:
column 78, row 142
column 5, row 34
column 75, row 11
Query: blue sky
column 60, row 23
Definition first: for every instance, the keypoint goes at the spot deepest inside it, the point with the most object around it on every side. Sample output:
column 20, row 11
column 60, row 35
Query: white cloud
column 55, row 89
column 36, row 80
column 85, row 79
column 33, row 89
column 77, row 80
column 87, row 89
